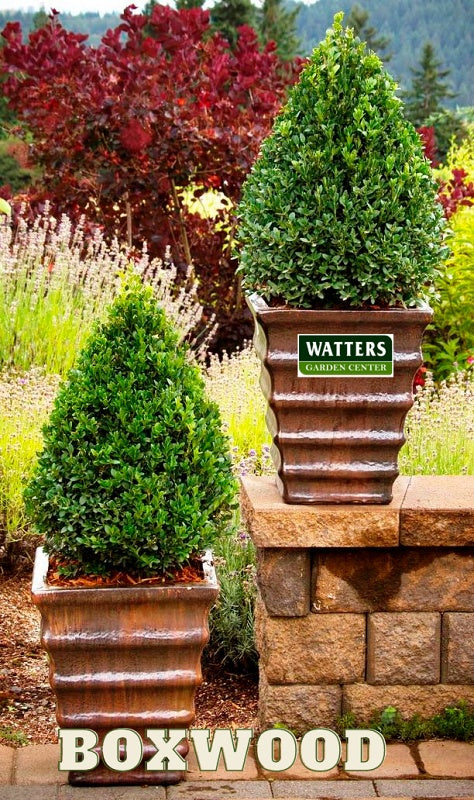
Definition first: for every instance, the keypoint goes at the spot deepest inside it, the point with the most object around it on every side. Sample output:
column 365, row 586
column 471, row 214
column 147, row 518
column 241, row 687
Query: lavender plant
column 439, row 427
column 55, row 282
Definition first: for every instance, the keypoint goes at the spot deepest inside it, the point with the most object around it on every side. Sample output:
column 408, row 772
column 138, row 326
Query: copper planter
column 124, row 658
column 336, row 439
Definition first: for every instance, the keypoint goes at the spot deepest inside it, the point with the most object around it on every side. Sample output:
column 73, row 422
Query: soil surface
column 27, row 708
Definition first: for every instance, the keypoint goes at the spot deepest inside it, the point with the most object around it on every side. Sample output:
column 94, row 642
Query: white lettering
column 233, row 751
column 381, row 349
column 269, row 742
column 375, row 749
column 370, row 349
column 327, row 350
column 314, row 348
column 276, row 749
column 316, row 740
column 122, row 749
column 165, row 742
column 77, row 749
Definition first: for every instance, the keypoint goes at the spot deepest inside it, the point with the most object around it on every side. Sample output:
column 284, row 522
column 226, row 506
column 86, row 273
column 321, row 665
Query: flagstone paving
column 426, row 770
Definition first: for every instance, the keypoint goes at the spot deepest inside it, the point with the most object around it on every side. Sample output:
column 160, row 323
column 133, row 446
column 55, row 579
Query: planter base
column 140, row 776
column 328, row 492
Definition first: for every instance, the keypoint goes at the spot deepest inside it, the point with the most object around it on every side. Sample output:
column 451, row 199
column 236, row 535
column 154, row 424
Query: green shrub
column 454, row 722
column 340, row 207
column 135, row 474
column 12, row 174
column 449, row 127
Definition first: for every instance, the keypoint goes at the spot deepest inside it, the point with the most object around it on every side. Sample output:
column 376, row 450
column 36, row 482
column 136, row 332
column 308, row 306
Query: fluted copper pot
column 336, row 439
column 124, row 657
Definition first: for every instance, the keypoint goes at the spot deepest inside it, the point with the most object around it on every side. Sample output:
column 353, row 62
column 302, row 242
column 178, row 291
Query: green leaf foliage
column 340, row 207
column 135, row 474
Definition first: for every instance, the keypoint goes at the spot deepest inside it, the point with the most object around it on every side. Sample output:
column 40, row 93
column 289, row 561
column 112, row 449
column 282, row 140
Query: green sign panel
column 349, row 355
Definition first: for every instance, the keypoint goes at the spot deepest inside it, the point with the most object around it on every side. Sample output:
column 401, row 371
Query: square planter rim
column 256, row 302
column 41, row 588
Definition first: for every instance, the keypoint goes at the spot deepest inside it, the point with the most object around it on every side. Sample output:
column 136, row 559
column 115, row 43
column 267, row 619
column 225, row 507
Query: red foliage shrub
column 456, row 192
column 428, row 140
column 161, row 104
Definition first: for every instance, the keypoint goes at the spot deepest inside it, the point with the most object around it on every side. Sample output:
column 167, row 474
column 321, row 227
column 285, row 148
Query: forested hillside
column 90, row 23
column 447, row 24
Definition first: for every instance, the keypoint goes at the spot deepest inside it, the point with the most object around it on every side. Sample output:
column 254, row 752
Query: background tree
column 449, row 127
column 189, row 4
column 357, row 19
column 409, row 23
column 40, row 19
column 228, row 15
column 428, row 88
column 278, row 24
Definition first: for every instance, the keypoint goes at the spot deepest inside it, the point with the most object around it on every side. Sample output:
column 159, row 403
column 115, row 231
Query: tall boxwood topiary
column 340, row 207
column 135, row 473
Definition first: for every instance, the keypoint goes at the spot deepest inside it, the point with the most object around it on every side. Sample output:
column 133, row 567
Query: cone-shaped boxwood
column 340, row 209
column 135, row 474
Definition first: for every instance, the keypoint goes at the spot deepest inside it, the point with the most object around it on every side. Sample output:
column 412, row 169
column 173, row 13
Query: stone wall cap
column 274, row 523
column 438, row 510
column 426, row 511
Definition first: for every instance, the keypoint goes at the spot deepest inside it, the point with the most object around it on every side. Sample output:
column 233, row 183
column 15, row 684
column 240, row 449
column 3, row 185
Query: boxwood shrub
column 339, row 208
column 135, row 474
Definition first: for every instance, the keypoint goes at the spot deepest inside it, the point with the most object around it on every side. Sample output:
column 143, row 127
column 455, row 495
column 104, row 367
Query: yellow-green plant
column 26, row 400
column 449, row 342
column 439, row 427
column 232, row 382
column 460, row 156
column 450, row 338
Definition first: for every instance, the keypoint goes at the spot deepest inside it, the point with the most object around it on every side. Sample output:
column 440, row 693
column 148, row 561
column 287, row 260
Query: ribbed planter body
column 336, row 439
column 124, row 658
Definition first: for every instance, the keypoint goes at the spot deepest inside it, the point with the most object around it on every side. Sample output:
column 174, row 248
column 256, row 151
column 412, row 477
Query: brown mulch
column 27, row 709
column 191, row 573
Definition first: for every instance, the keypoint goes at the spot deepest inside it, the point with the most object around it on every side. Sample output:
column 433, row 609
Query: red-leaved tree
column 160, row 105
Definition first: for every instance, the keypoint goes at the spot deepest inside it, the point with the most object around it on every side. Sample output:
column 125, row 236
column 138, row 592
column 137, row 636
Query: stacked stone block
column 364, row 607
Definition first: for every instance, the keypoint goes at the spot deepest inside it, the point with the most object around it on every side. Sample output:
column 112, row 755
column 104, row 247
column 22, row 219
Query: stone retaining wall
column 361, row 607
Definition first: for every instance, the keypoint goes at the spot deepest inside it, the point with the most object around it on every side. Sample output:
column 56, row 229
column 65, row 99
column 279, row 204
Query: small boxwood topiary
column 339, row 208
column 135, row 474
